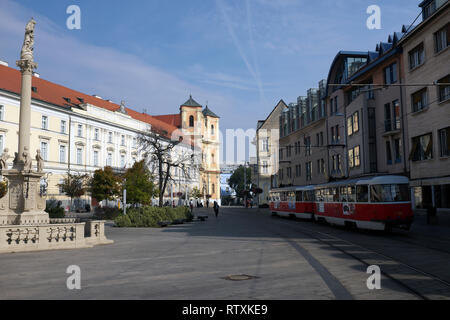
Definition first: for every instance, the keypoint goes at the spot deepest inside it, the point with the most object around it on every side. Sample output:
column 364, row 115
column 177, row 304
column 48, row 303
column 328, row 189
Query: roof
column 55, row 94
column 172, row 119
column 208, row 113
column 282, row 103
column 191, row 103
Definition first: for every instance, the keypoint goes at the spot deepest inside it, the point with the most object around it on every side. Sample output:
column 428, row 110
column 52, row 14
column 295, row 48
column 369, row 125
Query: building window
column 357, row 156
column 122, row 140
column 80, row 130
column 265, row 167
column 308, row 171
column 422, row 148
column 63, row 126
column 390, row 74
column 2, row 112
column 337, row 164
column 265, row 145
column 353, row 124
column 134, row 142
column 109, row 159
column 44, row 150
column 79, row 156
column 95, row 158
column 388, row 153
column 416, row 56
column 191, row 121
column 44, row 122
column 97, row 134
column 122, row 161
column 321, row 166
column 335, row 134
column 419, row 100
column 397, row 149
column 444, row 91
column 444, row 142
column 62, row 154
column 110, row 137
column 212, row 130
column 2, row 143
column 308, row 146
column 321, row 139
column 392, row 116
column 442, row 39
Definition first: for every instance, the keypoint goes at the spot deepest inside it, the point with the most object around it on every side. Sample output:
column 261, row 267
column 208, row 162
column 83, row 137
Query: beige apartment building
column 303, row 141
column 427, row 62
column 381, row 112
column 267, row 146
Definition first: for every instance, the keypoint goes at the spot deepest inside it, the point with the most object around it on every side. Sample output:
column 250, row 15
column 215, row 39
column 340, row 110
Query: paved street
column 288, row 259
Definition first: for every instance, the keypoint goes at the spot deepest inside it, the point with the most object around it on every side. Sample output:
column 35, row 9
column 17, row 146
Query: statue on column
column 39, row 161
column 28, row 42
column 4, row 160
column 28, row 166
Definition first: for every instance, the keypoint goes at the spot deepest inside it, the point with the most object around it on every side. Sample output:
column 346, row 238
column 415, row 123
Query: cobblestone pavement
column 286, row 259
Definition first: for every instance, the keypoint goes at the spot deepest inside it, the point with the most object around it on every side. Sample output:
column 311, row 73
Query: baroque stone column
column 25, row 203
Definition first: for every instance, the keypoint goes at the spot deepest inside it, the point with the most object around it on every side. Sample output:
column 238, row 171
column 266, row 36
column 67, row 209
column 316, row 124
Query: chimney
column 4, row 63
column 37, row 75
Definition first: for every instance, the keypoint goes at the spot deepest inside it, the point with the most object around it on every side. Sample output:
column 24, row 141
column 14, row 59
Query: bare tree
column 163, row 155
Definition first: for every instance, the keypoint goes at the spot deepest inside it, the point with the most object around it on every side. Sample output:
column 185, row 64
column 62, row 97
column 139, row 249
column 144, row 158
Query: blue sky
column 242, row 56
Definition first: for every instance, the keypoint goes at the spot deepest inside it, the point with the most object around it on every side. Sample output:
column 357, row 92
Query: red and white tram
column 376, row 203
column 297, row 202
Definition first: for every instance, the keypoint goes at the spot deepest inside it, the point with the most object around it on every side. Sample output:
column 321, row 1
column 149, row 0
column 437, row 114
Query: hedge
column 149, row 217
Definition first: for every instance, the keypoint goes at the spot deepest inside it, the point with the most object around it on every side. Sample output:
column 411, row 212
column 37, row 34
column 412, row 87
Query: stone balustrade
column 52, row 236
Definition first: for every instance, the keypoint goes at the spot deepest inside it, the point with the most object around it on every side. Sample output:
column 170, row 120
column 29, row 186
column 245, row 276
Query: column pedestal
column 23, row 204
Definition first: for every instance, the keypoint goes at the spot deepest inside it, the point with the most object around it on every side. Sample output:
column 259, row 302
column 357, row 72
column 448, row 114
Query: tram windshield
column 389, row 193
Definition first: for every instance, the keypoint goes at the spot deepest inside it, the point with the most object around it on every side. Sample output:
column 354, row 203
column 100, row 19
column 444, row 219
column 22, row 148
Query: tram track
column 417, row 282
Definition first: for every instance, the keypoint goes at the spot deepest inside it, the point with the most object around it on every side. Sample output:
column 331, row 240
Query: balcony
column 392, row 126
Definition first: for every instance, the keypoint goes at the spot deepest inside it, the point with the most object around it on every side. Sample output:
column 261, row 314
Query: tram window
column 334, row 194
column 351, row 194
column 308, row 195
column 283, row 196
column 298, row 196
column 362, row 193
column 390, row 193
column 319, row 195
column 343, row 194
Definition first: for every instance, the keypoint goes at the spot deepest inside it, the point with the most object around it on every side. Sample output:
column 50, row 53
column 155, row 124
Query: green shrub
column 55, row 210
column 107, row 213
column 149, row 217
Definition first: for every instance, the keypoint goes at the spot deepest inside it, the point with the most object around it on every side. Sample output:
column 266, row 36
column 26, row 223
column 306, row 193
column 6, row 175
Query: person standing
column 216, row 208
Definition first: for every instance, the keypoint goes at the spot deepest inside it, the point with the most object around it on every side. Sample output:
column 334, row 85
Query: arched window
column 212, row 156
column 191, row 121
column 213, row 188
column 212, row 130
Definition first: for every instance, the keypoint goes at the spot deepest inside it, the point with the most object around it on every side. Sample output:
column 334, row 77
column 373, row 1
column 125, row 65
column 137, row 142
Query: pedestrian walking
column 207, row 204
column 191, row 205
column 216, row 208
